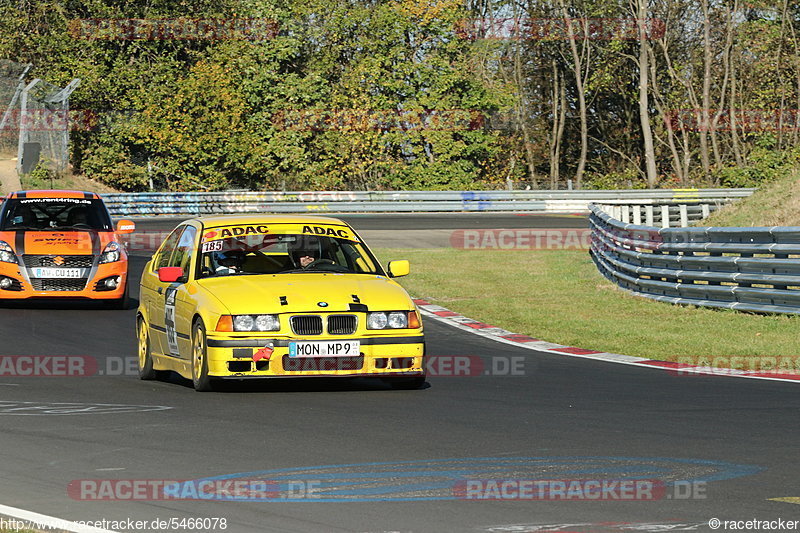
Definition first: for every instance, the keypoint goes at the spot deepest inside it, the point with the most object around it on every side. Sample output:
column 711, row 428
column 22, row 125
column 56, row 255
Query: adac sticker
column 236, row 231
column 329, row 231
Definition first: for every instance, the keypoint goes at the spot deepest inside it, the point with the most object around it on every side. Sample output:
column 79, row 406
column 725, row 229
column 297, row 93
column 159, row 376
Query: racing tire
column 200, row 379
column 414, row 383
column 146, row 370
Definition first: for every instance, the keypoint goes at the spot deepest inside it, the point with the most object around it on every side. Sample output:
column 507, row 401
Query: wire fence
column 12, row 75
column 44, row 126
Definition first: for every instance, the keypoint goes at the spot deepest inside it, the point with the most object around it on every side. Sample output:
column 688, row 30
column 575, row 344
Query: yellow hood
column 254, row 294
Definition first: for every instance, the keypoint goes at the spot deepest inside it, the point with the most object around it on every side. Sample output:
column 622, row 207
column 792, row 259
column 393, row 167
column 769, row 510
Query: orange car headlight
column 7, row 253
column 111, row 253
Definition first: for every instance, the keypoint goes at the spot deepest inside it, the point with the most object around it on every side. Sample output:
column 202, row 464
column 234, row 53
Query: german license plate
column 325, row 349
column 59, row 272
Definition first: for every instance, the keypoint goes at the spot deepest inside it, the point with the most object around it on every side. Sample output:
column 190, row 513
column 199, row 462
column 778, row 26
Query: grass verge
column 776, row 203
column 558, row 296
column 69, row 182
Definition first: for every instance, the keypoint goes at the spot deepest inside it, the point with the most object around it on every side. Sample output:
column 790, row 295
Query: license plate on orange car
column 324, row 349
column 59, row 272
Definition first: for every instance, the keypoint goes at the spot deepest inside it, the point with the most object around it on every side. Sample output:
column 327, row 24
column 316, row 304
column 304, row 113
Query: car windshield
column 280, row 253
column 54, row 214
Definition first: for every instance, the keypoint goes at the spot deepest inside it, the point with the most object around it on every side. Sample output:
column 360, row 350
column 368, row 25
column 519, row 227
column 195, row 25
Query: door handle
column 160, row 290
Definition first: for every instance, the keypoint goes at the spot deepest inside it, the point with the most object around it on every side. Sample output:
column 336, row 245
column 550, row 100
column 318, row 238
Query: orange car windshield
column 55, row 214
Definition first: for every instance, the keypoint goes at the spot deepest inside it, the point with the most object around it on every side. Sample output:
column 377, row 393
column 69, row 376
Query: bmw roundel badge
column 322, row 304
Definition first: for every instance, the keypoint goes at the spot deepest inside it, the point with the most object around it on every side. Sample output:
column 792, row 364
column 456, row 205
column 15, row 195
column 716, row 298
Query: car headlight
column 377, row 321
column 392, row 320
column 256, row 323
column 398, row 320
column 267, row 323
column 7, row 253
column 111, row 253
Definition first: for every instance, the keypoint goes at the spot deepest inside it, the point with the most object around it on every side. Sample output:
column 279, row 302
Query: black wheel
column 405, row 383
column 146, row 370
column 200, row 378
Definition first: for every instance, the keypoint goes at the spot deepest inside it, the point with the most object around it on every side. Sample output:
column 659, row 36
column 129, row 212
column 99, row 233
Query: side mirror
column 398, row 268
column 125, row 226
column 170, row 274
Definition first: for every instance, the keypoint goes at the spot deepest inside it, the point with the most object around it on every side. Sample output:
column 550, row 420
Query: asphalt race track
column 354, row 456
column 420, row 221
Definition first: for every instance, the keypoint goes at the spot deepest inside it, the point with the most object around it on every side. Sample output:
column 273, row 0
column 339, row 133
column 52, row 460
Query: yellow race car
column 275, row 296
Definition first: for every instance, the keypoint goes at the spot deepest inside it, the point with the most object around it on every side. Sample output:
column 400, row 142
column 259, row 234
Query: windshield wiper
column 85, row 227
column 15, row 228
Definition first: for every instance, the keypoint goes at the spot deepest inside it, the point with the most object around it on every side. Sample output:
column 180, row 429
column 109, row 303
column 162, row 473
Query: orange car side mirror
column 125, row 226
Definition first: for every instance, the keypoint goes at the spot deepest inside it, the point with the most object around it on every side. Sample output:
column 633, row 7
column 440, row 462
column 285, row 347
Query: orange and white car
column 62, row 244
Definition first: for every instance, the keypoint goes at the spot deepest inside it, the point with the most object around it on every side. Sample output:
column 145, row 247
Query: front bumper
column 395, row 355
column 23, row 285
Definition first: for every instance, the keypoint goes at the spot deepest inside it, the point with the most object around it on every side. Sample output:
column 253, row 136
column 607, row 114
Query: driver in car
column 308, row 254
column 305, row 259
column 229, row 262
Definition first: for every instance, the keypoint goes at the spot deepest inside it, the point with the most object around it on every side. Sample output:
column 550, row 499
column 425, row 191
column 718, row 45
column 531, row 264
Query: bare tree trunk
column 779, row 68
column 706, row 94
column 685, row 160
column 578, row 67
column 522, row 116
column 796, row 125
column 644, row 105
column 669, row 122
column 562, row 121
column 554, row 146
column 737, row 150
column 726, row 60
column 796, row 115
column 559, row 95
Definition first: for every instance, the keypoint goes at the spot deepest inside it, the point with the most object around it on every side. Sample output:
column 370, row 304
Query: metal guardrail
column 203, row 203
column 749, row 269
column 661, row 215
